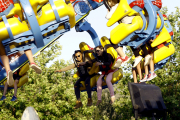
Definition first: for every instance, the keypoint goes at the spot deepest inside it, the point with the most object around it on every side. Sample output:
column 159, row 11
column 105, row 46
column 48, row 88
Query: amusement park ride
column 36, row 24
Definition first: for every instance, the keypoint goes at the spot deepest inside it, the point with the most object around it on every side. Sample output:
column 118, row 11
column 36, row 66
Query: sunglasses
column 97, row 51
column 77, row 56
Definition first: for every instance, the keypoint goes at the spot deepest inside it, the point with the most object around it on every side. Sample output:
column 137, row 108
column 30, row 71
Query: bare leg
column 15, row 87
column 29, row 56
column 151, row 64
column 99, row 87
column 146, row 69
column 134, row 75
column 120, row 52
column 32, row 63
column 139, row 71
column 5, row 89
column 5, row 61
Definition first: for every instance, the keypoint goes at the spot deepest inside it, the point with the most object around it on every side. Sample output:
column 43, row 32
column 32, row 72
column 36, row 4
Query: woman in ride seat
column 84, row 76
column 104, row 61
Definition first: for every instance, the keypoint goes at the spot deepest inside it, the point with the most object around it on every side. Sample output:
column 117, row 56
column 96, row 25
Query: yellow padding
column 83, row 47
column 22, row 81
column 92, row 83
column 15, row 11
column 94, row 69
column 16, row 27
column 47, row 15
column 164, row 36
column 163, row 53
column 35, row 3
column 116, row 76
column 123, row 30
column 110, row 50
column 158, row 22
column 122, row 10
column 76, row 75
column 24, row 69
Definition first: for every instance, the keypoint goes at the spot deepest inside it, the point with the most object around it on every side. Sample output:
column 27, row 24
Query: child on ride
column 4, row 57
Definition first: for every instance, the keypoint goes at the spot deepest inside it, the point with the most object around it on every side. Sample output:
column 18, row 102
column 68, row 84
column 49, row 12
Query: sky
column 70, row 40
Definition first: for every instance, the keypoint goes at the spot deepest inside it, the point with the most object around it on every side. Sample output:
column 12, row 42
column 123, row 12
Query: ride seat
column 47, row 15
column 126, row 8
column 123, row 30
column 16, row 26
column 15, row 11
column 119, row 73
column 109, row 49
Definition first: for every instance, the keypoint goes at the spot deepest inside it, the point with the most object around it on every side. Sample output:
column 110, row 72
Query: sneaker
column 151, row 76
column 36, row 68
column 3, row 98
column 10, row 79
column 137, row 61
column 144, row 79
column 125, row 60
column 14, row 98
column 118, row 62
column 147, row 60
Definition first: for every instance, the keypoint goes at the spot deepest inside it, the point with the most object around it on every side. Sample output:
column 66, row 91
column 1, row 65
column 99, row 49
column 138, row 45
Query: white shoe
column 144, row 79
column 118, row 62
column 10, row 79
column 137, row 61
column 147, row 60
column 113, row 9
column 151, row 76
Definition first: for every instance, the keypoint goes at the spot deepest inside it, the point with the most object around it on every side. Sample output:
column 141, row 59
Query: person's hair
column 100, row 47
column 113, row 2
column 76, row 51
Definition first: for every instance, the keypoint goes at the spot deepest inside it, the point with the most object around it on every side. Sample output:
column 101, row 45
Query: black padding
column 147, row 99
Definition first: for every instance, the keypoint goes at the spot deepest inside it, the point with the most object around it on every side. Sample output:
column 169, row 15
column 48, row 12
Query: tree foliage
column 52, row 94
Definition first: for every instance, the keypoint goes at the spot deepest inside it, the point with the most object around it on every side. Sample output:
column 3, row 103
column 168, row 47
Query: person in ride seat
column 4, row 5
column 122, row 58
column 16, row 81
column 113, row 4
column 147, row 76
column 84, row 76
column 104, row 61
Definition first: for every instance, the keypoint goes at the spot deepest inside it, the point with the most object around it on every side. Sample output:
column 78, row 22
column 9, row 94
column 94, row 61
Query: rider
column 105, row 61
column 4, row 5
column 84, row 76
column 16, row 78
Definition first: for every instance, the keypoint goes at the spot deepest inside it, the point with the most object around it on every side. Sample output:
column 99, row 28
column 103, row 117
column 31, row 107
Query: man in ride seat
column 84, row 76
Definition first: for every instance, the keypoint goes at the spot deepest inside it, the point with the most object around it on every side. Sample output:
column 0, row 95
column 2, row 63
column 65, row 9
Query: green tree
column 52, row 94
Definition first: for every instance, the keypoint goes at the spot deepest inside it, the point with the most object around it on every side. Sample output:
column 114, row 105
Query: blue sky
column 70, row 40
